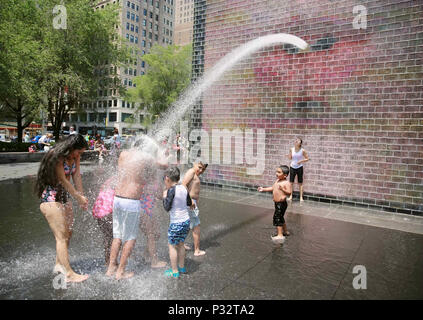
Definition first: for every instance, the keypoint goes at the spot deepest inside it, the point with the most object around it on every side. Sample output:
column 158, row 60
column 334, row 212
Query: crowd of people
column 125, row 202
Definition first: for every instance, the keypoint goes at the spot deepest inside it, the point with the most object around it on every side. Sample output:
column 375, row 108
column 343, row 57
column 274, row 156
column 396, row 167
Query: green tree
column 21, row 56
column 58, row 55
column 168, row 74
column 85, row 54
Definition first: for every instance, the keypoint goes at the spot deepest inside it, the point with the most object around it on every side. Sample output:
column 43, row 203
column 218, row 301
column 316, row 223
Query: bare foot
column 58, row 268
column 301, row 200
column 74, row 277
column 111, row 271
column 125, row 275
column 199, row 253
column 158, row 264
column 187, row 247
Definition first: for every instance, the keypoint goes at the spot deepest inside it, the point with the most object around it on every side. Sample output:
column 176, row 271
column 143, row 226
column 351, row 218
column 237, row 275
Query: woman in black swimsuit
column 53, row 186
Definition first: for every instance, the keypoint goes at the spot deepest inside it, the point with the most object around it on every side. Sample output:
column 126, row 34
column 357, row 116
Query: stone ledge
column 16, row 157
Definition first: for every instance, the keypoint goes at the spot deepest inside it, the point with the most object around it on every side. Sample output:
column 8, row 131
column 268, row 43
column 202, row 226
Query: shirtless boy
column 281, row 189
column 192, row 182
column 126, row 209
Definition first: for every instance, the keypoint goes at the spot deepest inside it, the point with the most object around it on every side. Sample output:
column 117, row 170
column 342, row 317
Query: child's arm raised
column 268, row 189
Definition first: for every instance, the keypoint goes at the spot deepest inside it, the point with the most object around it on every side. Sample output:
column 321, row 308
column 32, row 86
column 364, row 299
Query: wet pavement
column 315, row 262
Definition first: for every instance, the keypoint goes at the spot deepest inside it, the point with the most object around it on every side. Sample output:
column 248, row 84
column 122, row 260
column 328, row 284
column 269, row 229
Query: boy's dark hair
column 173, row 174
column 284, row 169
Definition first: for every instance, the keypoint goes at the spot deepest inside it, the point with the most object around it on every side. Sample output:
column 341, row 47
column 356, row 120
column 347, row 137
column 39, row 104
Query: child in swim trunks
column 176, row 199
column 281, row 189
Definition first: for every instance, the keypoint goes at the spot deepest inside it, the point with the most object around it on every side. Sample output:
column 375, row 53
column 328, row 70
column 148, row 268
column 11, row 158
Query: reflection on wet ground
column 316, row 261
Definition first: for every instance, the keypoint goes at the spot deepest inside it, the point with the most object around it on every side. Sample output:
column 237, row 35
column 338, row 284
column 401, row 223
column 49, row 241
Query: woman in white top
column 298, row 156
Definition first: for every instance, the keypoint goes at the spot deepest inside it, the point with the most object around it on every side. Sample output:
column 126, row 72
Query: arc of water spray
column 194, row 91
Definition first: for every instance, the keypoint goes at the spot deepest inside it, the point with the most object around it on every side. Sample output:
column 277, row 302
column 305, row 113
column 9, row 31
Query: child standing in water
column 176, row 199
column 192, row 182
column 281, row 189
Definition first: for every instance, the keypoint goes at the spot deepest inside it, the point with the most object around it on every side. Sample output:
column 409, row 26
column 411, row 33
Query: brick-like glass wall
column 355, row 98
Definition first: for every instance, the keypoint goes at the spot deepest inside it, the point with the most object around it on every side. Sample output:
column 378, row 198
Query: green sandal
column 170, row 273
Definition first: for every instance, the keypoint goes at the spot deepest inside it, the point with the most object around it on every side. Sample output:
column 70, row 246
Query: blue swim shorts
column 193, row 216
column 177, row 232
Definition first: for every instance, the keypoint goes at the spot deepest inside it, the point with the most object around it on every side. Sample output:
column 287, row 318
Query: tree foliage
column 40, row 61
column 168, row 74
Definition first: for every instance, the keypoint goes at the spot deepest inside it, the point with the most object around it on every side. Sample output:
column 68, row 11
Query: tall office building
column 143, row 23
column 184, row 18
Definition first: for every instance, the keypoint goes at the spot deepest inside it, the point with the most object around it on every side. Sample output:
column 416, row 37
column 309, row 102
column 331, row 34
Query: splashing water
column 192, row 94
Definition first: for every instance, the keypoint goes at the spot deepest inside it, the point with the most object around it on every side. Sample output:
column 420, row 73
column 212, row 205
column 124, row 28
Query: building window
column 112, row 116
column 125, row 116
column 137, row 19
column 131, row 38
column 132, row 28
column 144, row 22
column 128, row 4
column 102, row 117
column 125, row 82
column 135, row 73
column 127, row 26
column 143, row 64
column 132, row 16
column 144, row 33
column 136, row 29
column 138, row 7
column 145, row 12
column 133, row 6
column 128, row 14
column 130, row 82
column 92, row 117
column 143, row 43
column 115, row 102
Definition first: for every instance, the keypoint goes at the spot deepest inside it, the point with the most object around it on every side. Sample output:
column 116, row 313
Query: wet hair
column 199, row 161
column 46, row 175
column 285, row 169
column 301, row 143
column 173, row 174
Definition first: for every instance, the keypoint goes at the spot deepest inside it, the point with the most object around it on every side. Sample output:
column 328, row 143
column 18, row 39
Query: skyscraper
column 143, row 23
column 184, row 18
